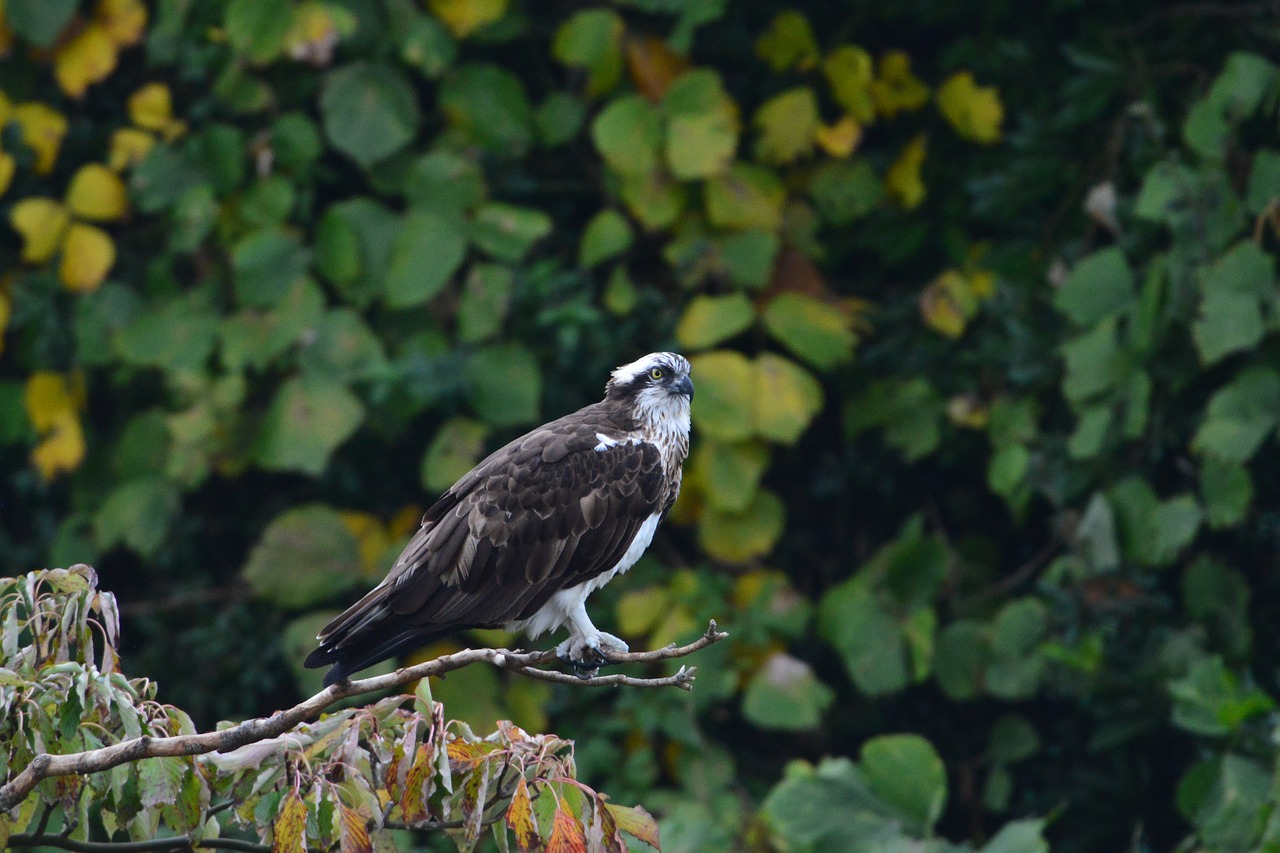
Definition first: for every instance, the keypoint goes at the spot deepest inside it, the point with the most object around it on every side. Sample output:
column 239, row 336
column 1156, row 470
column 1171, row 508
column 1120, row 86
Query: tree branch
column 153, row 845
column 45, row 765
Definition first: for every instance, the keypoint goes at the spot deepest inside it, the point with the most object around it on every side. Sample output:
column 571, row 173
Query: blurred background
column 982, row 309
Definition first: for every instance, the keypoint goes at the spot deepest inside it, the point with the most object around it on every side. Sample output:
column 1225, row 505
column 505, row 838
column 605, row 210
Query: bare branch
column 45, row 765
column 152, row 845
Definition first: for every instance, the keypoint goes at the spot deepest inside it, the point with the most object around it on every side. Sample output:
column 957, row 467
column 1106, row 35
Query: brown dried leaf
column 636, row 822
column 653, row 66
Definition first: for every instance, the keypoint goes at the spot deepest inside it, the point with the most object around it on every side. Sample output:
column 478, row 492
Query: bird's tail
column 355, row 653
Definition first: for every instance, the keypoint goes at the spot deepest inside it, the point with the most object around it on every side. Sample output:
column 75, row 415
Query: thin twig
column 151, row 845
column 44, row 766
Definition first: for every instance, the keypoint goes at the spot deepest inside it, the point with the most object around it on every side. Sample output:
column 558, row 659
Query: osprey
column 524, row 537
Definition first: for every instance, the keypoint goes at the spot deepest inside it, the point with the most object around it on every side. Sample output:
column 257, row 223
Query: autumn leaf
column 151, row 108
column 368, row 531
column 521, row 820
column 464, row 17
column 788, row 42
column 88, row 58
column 43, row 129
column 948, row 303
column 87, row 256
column 128, row 146
column 62, row 449
column 413, row 802
column 903, row 182
column 52, row 402
column 653, row 65
column 96, row 193
column 124, row 20
column 840, row 139
column 787, row 123
column 354, row 831
column 42, row 223
column 290, row 825
column 895, row 88
column 849, row 71
column 637, row 823
column 974, row 111
column 566, row 832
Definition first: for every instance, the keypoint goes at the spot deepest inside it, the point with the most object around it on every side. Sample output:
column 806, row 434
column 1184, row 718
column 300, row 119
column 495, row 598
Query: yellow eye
column 656, row 373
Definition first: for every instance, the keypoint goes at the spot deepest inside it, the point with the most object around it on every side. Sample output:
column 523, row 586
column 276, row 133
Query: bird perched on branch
column 524, row 537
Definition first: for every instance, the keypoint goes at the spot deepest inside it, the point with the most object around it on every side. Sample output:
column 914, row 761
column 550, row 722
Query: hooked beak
column 685, row 387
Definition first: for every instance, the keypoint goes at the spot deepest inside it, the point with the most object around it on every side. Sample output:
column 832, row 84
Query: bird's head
column 656, row 386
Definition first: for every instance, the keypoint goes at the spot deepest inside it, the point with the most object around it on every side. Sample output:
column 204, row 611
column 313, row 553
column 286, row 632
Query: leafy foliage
column 983, row 319
column 346, row 781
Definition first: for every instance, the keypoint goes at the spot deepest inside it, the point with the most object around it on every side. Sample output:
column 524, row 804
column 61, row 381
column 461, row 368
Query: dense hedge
column 982, row 311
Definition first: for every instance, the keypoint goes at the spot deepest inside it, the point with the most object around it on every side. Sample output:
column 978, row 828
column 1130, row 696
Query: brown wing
column 544, row 513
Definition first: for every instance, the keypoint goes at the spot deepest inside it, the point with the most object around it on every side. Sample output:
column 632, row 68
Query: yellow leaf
column 371, row 536
column 463, row 17
column 124, row 20
column 6, row 309
column 41, row 222
column 151, row 107
column 47, row 397
column 974, row 111
column 786, row 398
column 87, row 257
column 128, row 146
column 895, row 88
column 968, row 411
column 404, row 522
column 849, row 71
column 840, row 139
column 43, row 129
column 96, row 193
column 948, row 304
column 62, row 449
column 7, row 166
column 788, row 42
column 903, row 181
column 88, row 58
column 315, row 32
column 640, row 609
column 787, row 123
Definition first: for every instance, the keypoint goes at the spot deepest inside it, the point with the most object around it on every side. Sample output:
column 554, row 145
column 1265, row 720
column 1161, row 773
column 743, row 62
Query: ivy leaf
column 369, row 110
column 1235, row 289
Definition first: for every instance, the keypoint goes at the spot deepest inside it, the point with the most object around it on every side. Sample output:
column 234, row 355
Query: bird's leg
column 587, row 647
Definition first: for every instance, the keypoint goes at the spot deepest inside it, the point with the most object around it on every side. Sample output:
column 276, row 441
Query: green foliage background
column 1007, row 569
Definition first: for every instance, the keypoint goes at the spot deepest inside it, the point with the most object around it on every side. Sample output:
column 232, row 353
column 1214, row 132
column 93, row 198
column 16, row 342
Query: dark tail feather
column 355, row 656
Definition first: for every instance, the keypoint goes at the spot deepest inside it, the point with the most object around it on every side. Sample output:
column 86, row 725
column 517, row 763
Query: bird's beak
column 685, row 387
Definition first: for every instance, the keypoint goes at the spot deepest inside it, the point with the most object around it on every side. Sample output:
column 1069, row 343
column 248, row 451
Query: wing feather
column 542, row 514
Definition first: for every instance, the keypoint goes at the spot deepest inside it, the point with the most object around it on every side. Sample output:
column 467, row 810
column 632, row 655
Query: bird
column 522, row 539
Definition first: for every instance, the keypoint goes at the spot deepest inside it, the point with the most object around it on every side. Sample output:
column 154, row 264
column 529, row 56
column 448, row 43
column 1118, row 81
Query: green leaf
column 1230, row 802
column 39, row 21
column 369, row 110
column 444, row 181
column 454, row 451
column 748, row 196
column 627, row 133
column 310, row 416
column 1095, row 363
column 375, row 230
column 708, row 320
column 486, row 106
column 1227, row 491
column 1098, row 286
column 1246, row 80
column 267, row 264
column 306, row 555
column 137, row 514
column 1264, row 181
column 426, row 253
column 726, row 392
column 787, row 398
column 592, row 39
column 730, row 472
column 1235, row 290
column 1174, row 524
column 787, row 123
column 507, row 232
column 785, row 694
column 961, row 659
column 486, row 297
column 788, row 42
column 699, row 145
column 341, row 346
column 504, row 384
column 655, row 200
column 906, row 772
column 845, row 190
column 1217, row 597
column 737, row 537
column 1013, row 738
column 174, row 335
column 748, row 256
column 255, row 338
column 1210, row 700
column 814, row 330
column 159, row 779
column 257, row 29
column 1240, row 416
column 827, row 808
column 425, row 45
column 1019, row 836
column 559, row 118
column 607, row 235
column 869, row 639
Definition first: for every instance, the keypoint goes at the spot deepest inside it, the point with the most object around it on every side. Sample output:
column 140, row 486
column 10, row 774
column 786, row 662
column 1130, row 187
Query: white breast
column 556, row 611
